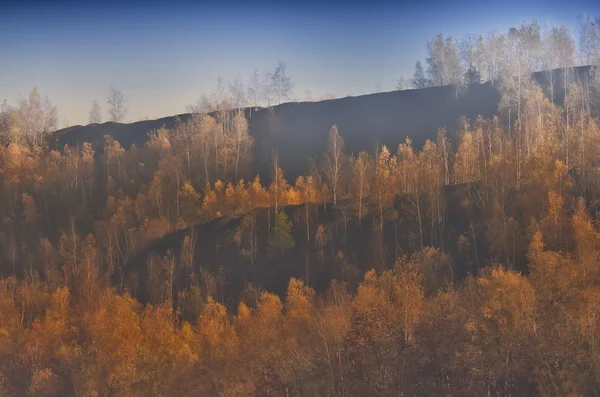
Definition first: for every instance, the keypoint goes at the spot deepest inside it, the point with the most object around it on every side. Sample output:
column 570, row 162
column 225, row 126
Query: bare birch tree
column 95, row 116
column 255, row 90
column 334, row 158
column 116, row 105
column 281, row 84
column 33, row 119
column 360, row 167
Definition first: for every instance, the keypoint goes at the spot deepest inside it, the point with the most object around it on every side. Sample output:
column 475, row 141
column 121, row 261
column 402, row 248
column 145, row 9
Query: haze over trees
column 466, row 267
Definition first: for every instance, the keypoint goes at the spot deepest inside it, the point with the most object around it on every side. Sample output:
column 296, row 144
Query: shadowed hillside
column 299, row 130
column 338, row 247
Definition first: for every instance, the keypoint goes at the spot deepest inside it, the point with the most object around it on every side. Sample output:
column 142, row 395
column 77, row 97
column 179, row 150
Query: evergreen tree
column 419, row 80
column 281, row 238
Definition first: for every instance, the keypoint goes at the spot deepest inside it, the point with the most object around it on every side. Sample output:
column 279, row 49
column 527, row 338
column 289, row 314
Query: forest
column 466, row 267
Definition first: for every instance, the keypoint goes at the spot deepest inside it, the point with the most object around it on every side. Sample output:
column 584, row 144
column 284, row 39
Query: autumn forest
column 466, row 267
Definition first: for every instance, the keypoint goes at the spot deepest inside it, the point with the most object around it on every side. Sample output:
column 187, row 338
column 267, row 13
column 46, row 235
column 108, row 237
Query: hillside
column 343, row 250
column 299, row 130
column 491, row 238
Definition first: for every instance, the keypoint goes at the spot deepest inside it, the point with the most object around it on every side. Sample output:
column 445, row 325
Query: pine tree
column 281, row 238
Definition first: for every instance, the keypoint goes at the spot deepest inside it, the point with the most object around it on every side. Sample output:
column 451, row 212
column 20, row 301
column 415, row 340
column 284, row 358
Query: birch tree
column 494, row 53
column 33, row 119
column 402, row 84
column 468, row 54
column 116, row 105
column 360, row 180
column 237, row 93
column 558, row 52
column 443, row 61
column 95, row 116
column 243, row 142
column 280, row 83
column 255, row 91
column 334, row 159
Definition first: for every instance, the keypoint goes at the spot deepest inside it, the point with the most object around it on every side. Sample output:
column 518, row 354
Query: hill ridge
column 299, row 130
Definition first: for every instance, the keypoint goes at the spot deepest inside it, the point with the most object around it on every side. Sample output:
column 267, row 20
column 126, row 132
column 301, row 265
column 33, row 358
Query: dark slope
column 581, row 75
column 127, row 134
column 216, row 247
column 300, row 130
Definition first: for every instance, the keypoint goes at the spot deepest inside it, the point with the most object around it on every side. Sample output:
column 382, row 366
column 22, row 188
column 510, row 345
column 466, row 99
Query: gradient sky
column 165, row 55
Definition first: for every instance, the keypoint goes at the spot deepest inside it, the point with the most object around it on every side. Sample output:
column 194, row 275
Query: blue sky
column 164, row 55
